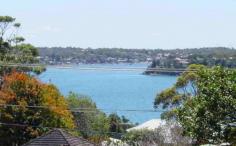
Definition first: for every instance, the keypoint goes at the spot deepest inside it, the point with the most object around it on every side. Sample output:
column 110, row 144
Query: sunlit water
column 112, row 90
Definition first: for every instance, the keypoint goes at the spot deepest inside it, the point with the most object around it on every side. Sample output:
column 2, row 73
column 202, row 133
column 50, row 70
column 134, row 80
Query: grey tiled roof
column 58, row 137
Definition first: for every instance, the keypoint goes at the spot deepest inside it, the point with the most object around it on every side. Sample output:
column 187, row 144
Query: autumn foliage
column 40, row 105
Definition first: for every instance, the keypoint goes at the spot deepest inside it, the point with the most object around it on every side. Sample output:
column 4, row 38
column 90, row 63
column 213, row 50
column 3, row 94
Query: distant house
column 169, row 130
column 149, row 125
column 58, row 137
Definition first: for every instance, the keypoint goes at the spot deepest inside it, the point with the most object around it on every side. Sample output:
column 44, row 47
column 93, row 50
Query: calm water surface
column 112, row 89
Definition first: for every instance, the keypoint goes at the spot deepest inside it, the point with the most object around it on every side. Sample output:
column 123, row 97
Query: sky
column 166, row 24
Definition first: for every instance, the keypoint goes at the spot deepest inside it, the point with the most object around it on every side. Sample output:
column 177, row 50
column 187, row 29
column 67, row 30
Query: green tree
column 91, row 123
column 118, row 124
column 203, row 100
column 13, row 50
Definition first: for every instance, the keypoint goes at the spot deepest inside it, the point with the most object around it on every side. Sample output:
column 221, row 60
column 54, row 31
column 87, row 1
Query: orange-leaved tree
column 39, row 106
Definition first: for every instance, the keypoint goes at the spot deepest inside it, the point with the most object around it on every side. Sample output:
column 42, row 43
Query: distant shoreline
column 142, row 67
column 162, row 73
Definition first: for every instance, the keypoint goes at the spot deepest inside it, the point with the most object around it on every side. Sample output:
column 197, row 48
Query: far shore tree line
column 158, row 58
column 202, row 102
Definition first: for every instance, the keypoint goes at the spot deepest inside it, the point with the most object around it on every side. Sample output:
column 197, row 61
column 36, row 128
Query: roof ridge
column 64, row 137
column 66, row 134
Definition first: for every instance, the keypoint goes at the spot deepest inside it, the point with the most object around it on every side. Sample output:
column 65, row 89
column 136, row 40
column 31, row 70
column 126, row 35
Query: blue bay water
column 112, row 89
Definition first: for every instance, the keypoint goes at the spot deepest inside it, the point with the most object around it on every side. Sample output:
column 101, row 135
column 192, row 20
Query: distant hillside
column 69, row 55
column 177, row 58
column 181, row 58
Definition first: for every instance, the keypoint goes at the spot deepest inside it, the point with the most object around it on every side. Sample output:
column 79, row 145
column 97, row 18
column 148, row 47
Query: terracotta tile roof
column 58, row 137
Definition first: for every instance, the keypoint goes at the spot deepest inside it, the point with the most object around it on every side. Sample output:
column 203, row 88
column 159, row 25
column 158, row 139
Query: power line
column 88, row 110
column 65, row 128
column 85, row 109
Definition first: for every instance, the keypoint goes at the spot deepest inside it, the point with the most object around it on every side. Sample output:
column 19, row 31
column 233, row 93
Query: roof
column 149, row 125
column 165, row 130
column 58, row 137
